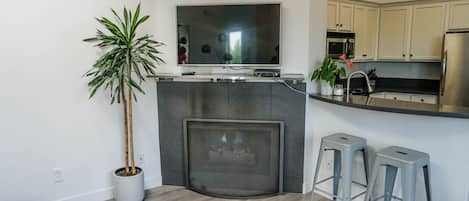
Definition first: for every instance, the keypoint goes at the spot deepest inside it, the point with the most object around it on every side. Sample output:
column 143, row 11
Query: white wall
column 445, row 139
column 47, row 120
column 316, row 53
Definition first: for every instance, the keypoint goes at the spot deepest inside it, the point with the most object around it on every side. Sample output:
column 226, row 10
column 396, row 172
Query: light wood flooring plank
column 176, row 193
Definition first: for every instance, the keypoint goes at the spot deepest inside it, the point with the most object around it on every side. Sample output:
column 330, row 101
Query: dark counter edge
column 392, row 110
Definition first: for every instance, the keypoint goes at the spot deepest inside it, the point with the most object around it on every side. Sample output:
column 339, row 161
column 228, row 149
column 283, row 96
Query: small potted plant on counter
column 127, row 58
column 328, row 73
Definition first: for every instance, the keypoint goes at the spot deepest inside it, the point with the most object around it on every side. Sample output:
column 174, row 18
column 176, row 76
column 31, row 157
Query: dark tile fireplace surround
column 264, row 101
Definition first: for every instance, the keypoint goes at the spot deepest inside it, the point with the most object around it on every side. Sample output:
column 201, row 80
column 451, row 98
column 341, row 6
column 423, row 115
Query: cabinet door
column 394, row 33
column 361, row 40
column 418, row 98
column 372, row 20
column 378, row 95
column 332, row 15
column 346, row 17
column 459, row 15
column 428, row 29
column 397, row 96
column 366, row 30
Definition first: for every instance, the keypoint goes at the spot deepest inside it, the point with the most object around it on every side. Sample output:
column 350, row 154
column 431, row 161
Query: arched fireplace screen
column 234, row 158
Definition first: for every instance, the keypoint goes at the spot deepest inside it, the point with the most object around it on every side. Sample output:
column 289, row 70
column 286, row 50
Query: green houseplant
column 121, row 70
column 328, row 73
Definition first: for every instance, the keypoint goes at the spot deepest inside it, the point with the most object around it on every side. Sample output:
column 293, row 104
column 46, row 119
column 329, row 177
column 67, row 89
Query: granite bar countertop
column 396, row 106
column 226, row 77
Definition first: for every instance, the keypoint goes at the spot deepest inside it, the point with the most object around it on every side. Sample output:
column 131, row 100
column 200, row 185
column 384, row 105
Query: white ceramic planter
column 326, row 89
column 128, row 188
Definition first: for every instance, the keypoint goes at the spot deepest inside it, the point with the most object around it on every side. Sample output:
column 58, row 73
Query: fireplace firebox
column 234, row 158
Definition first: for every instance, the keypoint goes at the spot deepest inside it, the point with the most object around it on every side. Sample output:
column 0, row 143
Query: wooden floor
column 172, row 193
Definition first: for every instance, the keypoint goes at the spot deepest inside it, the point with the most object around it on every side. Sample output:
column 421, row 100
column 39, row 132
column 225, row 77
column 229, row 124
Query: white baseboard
column 104, row 194
column 153, row 182
column 97, row 195
column 307, row 187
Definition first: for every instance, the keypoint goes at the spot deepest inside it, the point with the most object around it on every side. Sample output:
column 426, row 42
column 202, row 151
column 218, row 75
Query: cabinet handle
column 395, row 98
column 422, row 100
column 337, row 25
column 341, row 25
column 403, row 55
column 411, row 55
column 364, row 55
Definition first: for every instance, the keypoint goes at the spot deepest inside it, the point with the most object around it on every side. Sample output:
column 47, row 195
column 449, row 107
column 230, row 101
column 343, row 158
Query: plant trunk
column 126, row 132
column 131, row 134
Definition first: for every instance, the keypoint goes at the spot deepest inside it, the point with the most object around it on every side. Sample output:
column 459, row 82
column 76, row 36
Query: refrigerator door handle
column 443, row 75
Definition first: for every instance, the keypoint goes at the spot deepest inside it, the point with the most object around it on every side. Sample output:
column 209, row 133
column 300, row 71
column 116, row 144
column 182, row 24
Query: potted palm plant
column 128, row 58
column 329, row 71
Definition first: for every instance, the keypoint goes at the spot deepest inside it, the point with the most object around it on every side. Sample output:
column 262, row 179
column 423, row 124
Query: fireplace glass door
column 235, row 159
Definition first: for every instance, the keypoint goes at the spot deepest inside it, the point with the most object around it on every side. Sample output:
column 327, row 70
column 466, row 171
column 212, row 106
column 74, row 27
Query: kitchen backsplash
column 422, row 70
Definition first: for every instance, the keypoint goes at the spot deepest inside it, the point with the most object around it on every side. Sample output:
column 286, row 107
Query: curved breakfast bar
column 395, row 106
column 442, row 131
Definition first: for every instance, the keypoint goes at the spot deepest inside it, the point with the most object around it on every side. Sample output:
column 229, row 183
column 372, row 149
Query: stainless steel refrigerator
column 454, row 87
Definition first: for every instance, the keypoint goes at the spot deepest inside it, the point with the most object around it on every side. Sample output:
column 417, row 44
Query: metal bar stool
column 344, row 147
column 409, row 161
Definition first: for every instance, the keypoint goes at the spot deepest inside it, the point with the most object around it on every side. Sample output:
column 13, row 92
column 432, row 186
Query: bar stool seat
column 344, row 146
column 409, row 161
column 343, row 141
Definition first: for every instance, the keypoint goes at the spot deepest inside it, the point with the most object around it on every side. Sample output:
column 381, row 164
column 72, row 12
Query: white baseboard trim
column 97, row 195
column 153, row 182
column 307, row 187
column 104, row 194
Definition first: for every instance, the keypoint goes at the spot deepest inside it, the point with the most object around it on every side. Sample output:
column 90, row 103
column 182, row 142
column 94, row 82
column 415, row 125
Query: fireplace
column 234, row 158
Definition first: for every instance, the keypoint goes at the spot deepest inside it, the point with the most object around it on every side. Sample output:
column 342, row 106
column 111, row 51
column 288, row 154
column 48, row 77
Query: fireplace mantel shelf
column 225, row 77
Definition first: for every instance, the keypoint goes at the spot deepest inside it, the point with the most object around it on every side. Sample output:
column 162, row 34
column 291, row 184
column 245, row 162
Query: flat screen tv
column 229, row 35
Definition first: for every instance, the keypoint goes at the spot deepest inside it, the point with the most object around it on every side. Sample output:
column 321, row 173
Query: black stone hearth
column 237, row 101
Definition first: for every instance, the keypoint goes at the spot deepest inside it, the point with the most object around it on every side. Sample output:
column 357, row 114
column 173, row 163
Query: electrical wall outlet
column 330, row 163
column 58, row 175
column 140, row 159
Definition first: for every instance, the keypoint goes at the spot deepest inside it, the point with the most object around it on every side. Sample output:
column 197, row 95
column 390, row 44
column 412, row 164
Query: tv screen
column 229, row 35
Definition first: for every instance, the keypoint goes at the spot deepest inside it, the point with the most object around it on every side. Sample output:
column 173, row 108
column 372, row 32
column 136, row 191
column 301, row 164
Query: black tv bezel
column 255, row 66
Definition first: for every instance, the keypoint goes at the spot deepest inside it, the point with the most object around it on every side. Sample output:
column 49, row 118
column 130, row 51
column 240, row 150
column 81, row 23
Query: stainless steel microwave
column 340, row 44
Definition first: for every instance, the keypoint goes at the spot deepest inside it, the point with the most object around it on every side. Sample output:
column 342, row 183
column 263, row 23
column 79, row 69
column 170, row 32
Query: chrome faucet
column 350, row 77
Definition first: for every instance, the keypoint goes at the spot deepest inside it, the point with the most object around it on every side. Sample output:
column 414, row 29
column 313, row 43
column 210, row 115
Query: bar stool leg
column 337, row 171
column 347, row 161
column 409, row 180
column 371, row 184
column 426, row 175
column 318, row 165
column 390, row 180
column 365, row 164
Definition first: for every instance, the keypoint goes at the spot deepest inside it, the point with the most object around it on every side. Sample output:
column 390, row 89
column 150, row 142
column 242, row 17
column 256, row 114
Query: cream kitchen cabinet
column 366, row 32
column 339, row 16
column 412, row 33
column 459, row 15
column 397, row 96
column 428, row 28
column 332, row 15
column 420, row 98
column 394, row 33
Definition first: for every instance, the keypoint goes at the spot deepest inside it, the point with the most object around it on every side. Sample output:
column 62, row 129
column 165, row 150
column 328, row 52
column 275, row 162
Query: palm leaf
column 127, row 60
